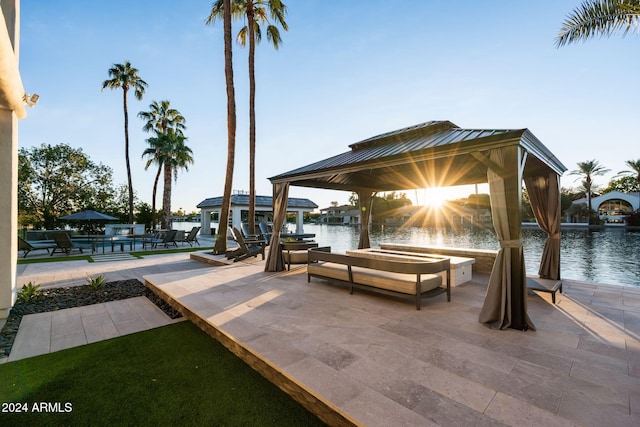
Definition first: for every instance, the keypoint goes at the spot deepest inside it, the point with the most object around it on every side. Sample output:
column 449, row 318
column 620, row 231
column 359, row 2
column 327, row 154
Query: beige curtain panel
column 365, row 201
column 498, row 307
column 544, row 194
column 275, row 262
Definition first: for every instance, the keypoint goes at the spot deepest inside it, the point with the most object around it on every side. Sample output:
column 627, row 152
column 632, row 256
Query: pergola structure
column 441, row 154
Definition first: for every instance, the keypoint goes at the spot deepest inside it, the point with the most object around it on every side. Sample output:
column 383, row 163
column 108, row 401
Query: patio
column 366, row 359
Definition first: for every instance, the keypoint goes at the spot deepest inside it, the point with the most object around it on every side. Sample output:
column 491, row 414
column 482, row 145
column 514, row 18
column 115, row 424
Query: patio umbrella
column 89, row 216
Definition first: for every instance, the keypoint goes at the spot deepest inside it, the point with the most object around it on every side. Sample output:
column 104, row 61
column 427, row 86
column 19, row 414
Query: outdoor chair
column 27, row 247
column 265, row 231
column 66, row 245
column 192, row 237
column 247, row 234
column 246, row 248
column 169, row 238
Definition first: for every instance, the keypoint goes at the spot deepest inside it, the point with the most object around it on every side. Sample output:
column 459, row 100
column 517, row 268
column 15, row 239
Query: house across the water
column 240, row 210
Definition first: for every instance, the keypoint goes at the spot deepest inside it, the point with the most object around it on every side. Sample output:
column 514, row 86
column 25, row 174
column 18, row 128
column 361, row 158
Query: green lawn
column 175, row 375
column 87, row 257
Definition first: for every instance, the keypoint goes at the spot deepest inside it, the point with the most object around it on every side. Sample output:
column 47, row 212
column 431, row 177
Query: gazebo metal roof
column 434, row 153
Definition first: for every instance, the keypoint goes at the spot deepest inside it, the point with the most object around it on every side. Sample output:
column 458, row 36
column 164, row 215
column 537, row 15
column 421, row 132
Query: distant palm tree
column 599, row 17
column 256, row 13
column 169, row 149
column 221, row 240
column 587, row 170
column 160, row 117
column 126, row 77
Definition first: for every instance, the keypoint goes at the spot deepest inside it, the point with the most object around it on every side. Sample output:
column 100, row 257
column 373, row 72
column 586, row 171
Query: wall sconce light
column 31, row 100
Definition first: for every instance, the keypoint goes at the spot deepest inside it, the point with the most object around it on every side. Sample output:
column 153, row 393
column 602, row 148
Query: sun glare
column 435, row 197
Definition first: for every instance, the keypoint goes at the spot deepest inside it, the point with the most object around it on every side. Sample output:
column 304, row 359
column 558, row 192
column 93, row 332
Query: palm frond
column 599, row 17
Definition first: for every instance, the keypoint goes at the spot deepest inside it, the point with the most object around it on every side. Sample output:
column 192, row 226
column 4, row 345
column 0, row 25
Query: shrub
column 96, row 283
column 28, row 292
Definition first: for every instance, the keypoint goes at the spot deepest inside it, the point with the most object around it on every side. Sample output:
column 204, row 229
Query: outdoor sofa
column 392, row 277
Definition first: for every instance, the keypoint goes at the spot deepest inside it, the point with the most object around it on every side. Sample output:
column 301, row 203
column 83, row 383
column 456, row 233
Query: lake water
column 610, row 256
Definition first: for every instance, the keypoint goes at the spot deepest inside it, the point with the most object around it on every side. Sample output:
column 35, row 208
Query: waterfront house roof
column 261, row 202
column 434, row 153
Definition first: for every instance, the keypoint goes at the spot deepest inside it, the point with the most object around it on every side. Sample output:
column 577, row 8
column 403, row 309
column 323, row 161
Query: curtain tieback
column 554, row 236
column 511, row 244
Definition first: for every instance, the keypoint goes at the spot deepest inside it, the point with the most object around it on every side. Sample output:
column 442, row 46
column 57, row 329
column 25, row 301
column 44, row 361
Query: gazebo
column 441, row 154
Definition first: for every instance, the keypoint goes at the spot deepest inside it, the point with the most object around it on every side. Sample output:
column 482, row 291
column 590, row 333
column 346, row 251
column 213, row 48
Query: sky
column 346, row 71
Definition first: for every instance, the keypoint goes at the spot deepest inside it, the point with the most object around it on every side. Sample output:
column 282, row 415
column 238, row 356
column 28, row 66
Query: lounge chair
column 246, row 248
column 248, row 235
column 265, row 231
column 169, row 238
column 66, row 245
column 27, row 247
column 192, row 237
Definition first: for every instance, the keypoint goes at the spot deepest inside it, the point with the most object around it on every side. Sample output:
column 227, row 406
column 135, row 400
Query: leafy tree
column 144, row 215
column 126, row 77
column 634, row 169
column 599, row 17
column 625, row 184
column 223, row 224
column 56, row 180
column 255, row 13
column 160, row 117
column 589, row 169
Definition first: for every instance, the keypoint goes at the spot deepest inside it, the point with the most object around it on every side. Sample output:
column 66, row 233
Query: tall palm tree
column 599, row 17
column 126, row 77
column 221, row 240
column 588, row 169
column 160, row 118
column 256, row 13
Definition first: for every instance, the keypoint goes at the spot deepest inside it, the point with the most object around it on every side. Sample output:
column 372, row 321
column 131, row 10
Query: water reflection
column 611, row 256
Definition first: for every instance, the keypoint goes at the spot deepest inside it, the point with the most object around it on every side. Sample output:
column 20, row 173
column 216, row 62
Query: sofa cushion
column 397, row 282
column 330, row 270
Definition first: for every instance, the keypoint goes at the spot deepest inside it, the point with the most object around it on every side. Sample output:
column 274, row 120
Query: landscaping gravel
column 53, row 299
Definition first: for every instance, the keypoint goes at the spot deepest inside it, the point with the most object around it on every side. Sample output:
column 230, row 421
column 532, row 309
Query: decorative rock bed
column 53, row 299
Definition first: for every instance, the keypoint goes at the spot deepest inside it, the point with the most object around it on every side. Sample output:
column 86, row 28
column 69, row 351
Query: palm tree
column 126, row 77
column 178, row 156
column 221, row 240
column 587, row 170
column 155, row 153
column 599, row 17
column 160, row 118
column 168, row 149
column 255, row 13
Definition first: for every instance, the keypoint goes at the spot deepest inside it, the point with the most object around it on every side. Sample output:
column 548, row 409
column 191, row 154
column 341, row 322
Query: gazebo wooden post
column 514, row 164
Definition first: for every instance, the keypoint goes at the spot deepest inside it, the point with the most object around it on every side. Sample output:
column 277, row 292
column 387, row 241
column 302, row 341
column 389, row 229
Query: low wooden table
column 288, row 247
column 460, row 270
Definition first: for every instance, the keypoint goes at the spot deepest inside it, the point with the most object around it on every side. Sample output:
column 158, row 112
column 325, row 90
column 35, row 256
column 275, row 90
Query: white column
column 205, row 221
column 236, row 217
column 12, row 108
column 8, row 209
column 300, row 221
